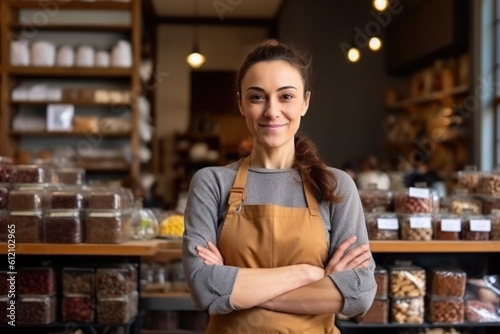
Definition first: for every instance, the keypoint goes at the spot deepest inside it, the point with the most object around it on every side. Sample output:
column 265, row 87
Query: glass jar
column 446, row 226
column 462, row 201
column 65, row 200
column 378, row 313
column 37, row 176
column 27, row 200
column 78, row 281
column 28, row 225
column 144, row 223
column 36, row 281
column 445, row 310
column 71, row 175
column 416, row 227
column 382, row 226
column 418, row 199
column 476, row 227
column 63, row 226
column 489, row 183
column 36, row 309
column 407, row 310
column 108, row 227
column 78, row 308
column 6, row 169
column 375, row 200
column 468, row 178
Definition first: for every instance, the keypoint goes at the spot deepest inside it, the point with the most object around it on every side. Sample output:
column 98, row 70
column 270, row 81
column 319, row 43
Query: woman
column 266, row 239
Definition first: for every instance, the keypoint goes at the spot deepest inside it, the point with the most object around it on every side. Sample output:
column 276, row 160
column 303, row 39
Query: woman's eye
column 257, row 98
column 287, row 96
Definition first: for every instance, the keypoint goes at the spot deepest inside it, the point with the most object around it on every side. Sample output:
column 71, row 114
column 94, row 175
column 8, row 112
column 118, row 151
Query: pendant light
column 375, row 43
column 196, row 59
column 353, row 54
column 380, row 5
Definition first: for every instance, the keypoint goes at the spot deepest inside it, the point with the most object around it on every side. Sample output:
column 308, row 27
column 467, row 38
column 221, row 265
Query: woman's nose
column 272, row 109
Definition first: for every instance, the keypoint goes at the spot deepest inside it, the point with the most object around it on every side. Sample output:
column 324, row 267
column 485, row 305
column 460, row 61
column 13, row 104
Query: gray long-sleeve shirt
column 211, row 286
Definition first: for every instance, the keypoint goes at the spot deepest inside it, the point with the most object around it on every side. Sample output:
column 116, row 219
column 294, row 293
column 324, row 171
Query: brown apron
column 270, row 236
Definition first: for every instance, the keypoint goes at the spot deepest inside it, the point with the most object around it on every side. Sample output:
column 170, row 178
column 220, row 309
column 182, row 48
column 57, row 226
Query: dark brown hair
column 307, row 159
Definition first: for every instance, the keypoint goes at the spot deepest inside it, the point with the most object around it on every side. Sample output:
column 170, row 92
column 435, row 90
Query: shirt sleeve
column 210, row 285
column 358, row 286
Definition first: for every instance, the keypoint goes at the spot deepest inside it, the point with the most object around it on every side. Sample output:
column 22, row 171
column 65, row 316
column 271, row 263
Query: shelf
column 351, row 324
column 436, row 246
column 103, row 166
column 75, row 103
column 430, row 97
column 72, row 27
column 170, row 301
column 72, row 325
column 70, row 71
column 46, row 4
column 65, row 134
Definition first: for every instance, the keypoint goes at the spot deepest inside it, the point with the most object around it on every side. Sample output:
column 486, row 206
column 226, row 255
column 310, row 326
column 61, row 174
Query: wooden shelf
column 70, row 71
column 351, row 324
column 169, row 295
column 73, row 27
column 129, row 248
column 42, row 4
column 435, row 96
column 65, row 134
column 103, row 166
column 436, row 246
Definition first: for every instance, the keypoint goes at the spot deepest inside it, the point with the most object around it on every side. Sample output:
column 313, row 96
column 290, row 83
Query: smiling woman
column 276, row 242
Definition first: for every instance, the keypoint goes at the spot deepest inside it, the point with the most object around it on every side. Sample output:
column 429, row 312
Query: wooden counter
column 129, row 248
column 435, row 246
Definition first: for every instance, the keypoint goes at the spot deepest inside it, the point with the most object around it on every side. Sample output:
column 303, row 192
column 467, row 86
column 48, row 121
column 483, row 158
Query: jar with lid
column 489, row 183
column 462, row 201
column 418, row 199
column 78, row 308
column 71, row 175
column 378, row 313
column 36, row 309
column 468, row 178
column 144, row 222
column 6, row 169
column 36, row 281
column 63, row 226
column 32, row 176
column 382, row 226
column 495, row 227
column 475, row 227
column 374, row 199
column 28, row 225
column 416, row 227
column 447, row 282
column 445, row 310
column 490, row 205
column 447, row 226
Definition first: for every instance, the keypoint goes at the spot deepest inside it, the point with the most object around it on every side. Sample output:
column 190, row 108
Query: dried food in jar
column 78, row 281
column 416, row 200
column 448, row 282
column 469, row 178
column 489, row 184
column 110, row 199
column 71, row 176
column 27, row 200
column 407, row 310
column 63, row 227
column 416, row 227
column 447, row 226
column 407, row 281
column 495, row 228
column 28, row 226
column 112, row 228
column 479, row 311
column 114, row 310
column 459, row 204
column 376, row 200
column 4, row 224
column 78, row 308
column 378, row 313
column 36, row 310
column 32, row 174
column 476, row 228
column 4, row 196
column 6, row 309
column 69, row 200
column 491, row 205
column 112, row 282
column 36, row 281
column 445, row 310
column 382, row 226
column 6, row 169
column 382, row 280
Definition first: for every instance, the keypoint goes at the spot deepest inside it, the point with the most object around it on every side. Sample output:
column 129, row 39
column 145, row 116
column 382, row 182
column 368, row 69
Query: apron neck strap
column 312, row 203
column 237, row 194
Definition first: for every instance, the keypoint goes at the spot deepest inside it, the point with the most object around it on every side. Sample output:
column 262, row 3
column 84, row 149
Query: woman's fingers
column 208, row 256
column 361, row 261
column 339, row 252
column 352, row 255
column 350, row 260
column 215, row 250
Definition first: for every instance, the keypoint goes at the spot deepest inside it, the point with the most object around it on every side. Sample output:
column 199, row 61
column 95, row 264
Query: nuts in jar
column 489, row 184
column 111, row 282
column 6, row 169
column 69, row 200
column 461, row 203
column 114, row 199
column 407, row 282
column 78, row 281
column 28, row 226
column 36, row 310
column 73, row 176
column 108, row 228
column 416, row 227
column 382, row 280
column 416, row 200
column 448, row 282
column 375, row 200
column 114, row 310
column 491, row 205
column 63, row 227
column 447, row 226
column 32, row 174
column 382, row 226
column 36, row 281
column 446, row 310
column 78, row 308
column 469, row 178
column 26, row 200
column 476, row 228
column 495, row 228
column 480, row 311
column 407, row 310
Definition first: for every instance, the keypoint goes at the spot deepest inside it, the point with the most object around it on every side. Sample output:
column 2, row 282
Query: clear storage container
column 447, row 226
column 382, row 226
column 416, row 200
column 113, row 310
column 28, row 226
column 78, row 308
column 377, row 200
column 476, row 227
column 64, row 227
column 463, row 202
column 382, row 280
column 79, row 281
column 111, row 282
column 408, row 310
column 110, row 199
column 480, row 311
column 27, row 200
column 4, row 196
column 71, row 175
column 489, row 183
column 447, row 282
column 491, row 205
column 66, row 200
column 36, row 309
column 6, row 283
column 32, row 175
column 108, row 227
column 378, row 313
column 407, row 281
column 6, row 169
column 445, row 310
column 468, row 178
column 495, row 227
column 416, row 227
column 36, row 281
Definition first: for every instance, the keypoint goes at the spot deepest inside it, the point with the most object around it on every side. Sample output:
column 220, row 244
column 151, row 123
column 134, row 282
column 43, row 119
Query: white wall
column 224, row 48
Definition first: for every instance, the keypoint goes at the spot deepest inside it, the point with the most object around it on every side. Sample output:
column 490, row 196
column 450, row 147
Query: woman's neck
column 273, row 159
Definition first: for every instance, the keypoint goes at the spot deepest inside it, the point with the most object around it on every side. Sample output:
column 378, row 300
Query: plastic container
column 79, row 281
column 112, row 282
column 71, row 176
column 407, row 282
column 376, row 200
column 4, row 222
column 110, row 199
column 382, row 226
column 4, row 196
column 491, row 205
column 489, row 183
column 378, row 313
column 468, row 178
column 113, row 310
column 462, row 201
column 27, row 200
column 111, row 227
column 382, row 280
column 32, row 175
column 447, row 226
column 416, row 227
column 444, row 310
column 78, row 308
column 495, row 227
column 416, row 200
column 407, row 310
column 36, row 309
column 63, row 227
column 6, row 169
column 28, row 226
column 447, row 283
column 66, row 200
column 480, row 311
column 36, row 281
column 476, row 227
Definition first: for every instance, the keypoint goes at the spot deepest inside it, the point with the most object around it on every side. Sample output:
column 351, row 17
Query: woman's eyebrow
column 279, row 89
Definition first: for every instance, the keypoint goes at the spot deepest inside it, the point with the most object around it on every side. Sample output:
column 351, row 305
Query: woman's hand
column 358, row 257
column 210, row 255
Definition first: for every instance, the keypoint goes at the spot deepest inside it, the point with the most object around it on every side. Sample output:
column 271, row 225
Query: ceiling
column 232, row 9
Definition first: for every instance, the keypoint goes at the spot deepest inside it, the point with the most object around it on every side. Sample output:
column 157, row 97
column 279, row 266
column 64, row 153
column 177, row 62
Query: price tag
column 387, row 224
column 451, row 225
column 420, row 222
column 480, row 225
column 419, row 192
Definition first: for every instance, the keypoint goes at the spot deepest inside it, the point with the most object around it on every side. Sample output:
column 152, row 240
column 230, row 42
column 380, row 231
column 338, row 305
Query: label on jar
column 420, row 222
column 387, row 224
column 419, row 192
column 480, row 225
column 451, row 225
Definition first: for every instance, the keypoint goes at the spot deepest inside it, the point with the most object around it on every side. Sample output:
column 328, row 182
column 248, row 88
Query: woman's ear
column 240, row 107
column 307, row 98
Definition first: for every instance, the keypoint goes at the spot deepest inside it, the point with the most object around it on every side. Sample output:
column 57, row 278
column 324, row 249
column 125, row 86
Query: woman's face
column 273, row 101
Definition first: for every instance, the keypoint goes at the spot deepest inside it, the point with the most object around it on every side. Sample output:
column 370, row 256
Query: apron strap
column 237, row 194
column 311, row 200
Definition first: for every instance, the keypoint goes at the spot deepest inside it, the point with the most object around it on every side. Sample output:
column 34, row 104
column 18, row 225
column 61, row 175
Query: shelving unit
column 128, row 27
column 432, row 97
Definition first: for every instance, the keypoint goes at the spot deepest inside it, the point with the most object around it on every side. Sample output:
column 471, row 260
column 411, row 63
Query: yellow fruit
column 172, row 226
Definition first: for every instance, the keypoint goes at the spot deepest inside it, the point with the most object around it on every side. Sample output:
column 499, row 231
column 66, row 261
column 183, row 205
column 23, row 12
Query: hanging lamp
column 196, row 59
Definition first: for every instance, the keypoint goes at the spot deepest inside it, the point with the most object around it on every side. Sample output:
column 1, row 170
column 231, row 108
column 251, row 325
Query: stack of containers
column 78, row 302
column 445, row 300
column 109, row 216
column 381, row 222
column 37, row 302
column 379, row 311
column 407, row 288
column 6, row 169
column 415, row 207
column 117, row 295
column 63, row 221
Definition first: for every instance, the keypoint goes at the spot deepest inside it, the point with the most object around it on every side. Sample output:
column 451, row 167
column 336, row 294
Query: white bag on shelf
column 121, row 56
column 19, row 53
column 43, row 53
column 85, row 56
column 65, row 56
column 102, row 58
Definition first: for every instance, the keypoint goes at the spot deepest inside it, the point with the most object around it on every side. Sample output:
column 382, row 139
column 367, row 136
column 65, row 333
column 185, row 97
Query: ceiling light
column 195, row 59
column 353, row 54
column 380, row 5
column 375, row 43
